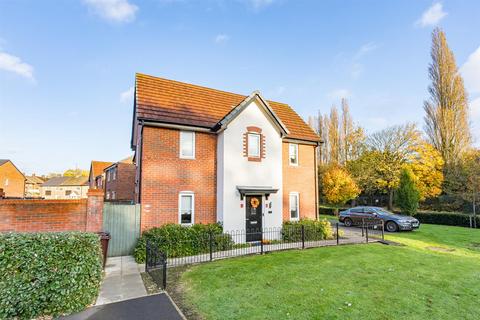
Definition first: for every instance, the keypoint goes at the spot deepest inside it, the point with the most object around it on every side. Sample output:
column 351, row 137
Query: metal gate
column 122, row 221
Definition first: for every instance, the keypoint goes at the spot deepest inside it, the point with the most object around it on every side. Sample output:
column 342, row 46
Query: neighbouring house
column 96, row 178
column 120, row 181
column 205, row 155
column 12, row 180
column 32, row 186
column 65, row 188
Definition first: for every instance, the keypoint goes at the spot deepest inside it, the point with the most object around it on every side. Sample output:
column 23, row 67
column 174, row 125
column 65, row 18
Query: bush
column 48, row 273
column 446, row 218
column 179, row 241
column 314, row 230
column 327, row 210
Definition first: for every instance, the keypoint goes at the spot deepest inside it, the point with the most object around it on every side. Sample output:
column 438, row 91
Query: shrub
column 407, row 195
column 179, row 241
column 446, row 218
column 48, row 273
column 314, row 230
column 327, row 210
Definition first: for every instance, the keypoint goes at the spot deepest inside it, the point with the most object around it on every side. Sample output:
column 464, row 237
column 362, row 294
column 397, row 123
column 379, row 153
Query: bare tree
column 446, row 119
column 334, row 135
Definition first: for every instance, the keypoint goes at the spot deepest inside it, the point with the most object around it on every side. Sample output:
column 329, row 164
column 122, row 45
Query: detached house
column 204, row 155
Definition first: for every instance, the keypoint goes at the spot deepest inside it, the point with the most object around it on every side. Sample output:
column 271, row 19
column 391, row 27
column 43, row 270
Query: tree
column 76, row 173
column 426, row 165
column 446, row 119
column 338, row 186
column 393, row 146
column 334, row 136
column 407, row 195
column 342, row 139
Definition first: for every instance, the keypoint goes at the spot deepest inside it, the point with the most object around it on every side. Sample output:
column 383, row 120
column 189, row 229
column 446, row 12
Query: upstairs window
column 293, row 154
column 48, row 193
column 68, row 192
column 114, row 173
column 187, row 145
column 186, row 208
column 253, row 145
column 294, row 206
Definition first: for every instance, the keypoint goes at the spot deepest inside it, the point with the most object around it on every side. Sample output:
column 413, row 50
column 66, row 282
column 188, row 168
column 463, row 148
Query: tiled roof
column 66, row 181
column 176, row 102
column 98, row 166
column 34, row 180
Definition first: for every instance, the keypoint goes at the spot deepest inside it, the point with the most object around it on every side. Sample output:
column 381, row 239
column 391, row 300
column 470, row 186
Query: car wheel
column 391, row 226
column 347, row 222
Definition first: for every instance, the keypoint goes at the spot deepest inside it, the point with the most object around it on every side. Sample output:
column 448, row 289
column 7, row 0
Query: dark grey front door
column 253, row 217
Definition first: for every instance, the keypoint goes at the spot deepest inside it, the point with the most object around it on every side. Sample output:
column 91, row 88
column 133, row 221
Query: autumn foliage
column 338, row 186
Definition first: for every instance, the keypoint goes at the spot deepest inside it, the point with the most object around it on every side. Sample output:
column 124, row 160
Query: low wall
column 52, row 215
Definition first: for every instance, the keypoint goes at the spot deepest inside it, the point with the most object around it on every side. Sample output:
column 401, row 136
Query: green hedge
column 314, row 230
column 445, row 218
column 179, row 241
column 48, row 273
column 329, row 210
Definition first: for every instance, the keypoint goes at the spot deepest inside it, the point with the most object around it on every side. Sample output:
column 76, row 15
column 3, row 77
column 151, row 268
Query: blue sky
column 67, row 67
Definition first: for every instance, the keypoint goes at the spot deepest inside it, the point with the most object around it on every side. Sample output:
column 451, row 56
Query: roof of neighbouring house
column 97, row 167
column 66, row 181
column 3, row 161
column 34, row 179
column 174, row 102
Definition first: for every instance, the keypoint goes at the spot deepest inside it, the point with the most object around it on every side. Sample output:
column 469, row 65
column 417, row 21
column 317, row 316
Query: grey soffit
column 251, row 190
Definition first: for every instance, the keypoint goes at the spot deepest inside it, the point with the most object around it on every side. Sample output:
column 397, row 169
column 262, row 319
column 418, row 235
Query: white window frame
column 114, row 173
column 297, row 195
column 108, row 195
column 6, row 182
column 114, row 195
column 290, row 145
column 186, row 193
column 193, row 145
column 108, row 175
column 259, row 152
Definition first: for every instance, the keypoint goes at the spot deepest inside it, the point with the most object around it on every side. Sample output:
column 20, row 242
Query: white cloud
column 432, row 16
column 14, row 64
column 475, row 118
column 113, row 10
column 221, row 38
column 127, row 95
column 471, row 72
column 366, row 48
column 339, row 94
column 356, row 70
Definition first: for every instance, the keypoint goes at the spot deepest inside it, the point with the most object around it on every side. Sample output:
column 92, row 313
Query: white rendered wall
column 233, row 169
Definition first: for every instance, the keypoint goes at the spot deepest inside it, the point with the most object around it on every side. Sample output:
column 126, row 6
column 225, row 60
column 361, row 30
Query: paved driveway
column 158, row 306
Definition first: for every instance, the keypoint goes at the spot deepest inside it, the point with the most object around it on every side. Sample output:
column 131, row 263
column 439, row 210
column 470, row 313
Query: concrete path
column 122, row 281
column 158, row 306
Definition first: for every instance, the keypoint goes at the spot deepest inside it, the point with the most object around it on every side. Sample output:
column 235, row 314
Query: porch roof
column 249, row 190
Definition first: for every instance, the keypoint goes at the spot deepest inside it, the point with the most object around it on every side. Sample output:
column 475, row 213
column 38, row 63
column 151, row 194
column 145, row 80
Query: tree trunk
column 390, row 199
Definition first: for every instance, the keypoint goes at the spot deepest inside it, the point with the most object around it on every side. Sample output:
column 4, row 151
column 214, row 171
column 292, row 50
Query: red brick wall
column 52, row 215
column 300, row 179
column 16, row 181
column 124, row 183
column 164, row 175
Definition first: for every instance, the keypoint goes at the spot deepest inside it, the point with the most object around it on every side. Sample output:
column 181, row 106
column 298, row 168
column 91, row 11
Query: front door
column 253, row 218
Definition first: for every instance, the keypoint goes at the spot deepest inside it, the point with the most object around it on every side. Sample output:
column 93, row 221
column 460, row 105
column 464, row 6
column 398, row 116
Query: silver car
column 393, row 222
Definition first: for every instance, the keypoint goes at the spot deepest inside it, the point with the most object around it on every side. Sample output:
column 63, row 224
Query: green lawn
column 436, row 275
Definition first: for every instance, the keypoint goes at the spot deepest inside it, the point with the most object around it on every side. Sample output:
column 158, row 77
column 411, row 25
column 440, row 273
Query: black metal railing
column 161, row 254
column 156, row 264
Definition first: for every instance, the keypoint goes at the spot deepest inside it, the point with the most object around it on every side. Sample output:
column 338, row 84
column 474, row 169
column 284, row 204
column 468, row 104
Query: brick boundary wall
column 18, row 215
